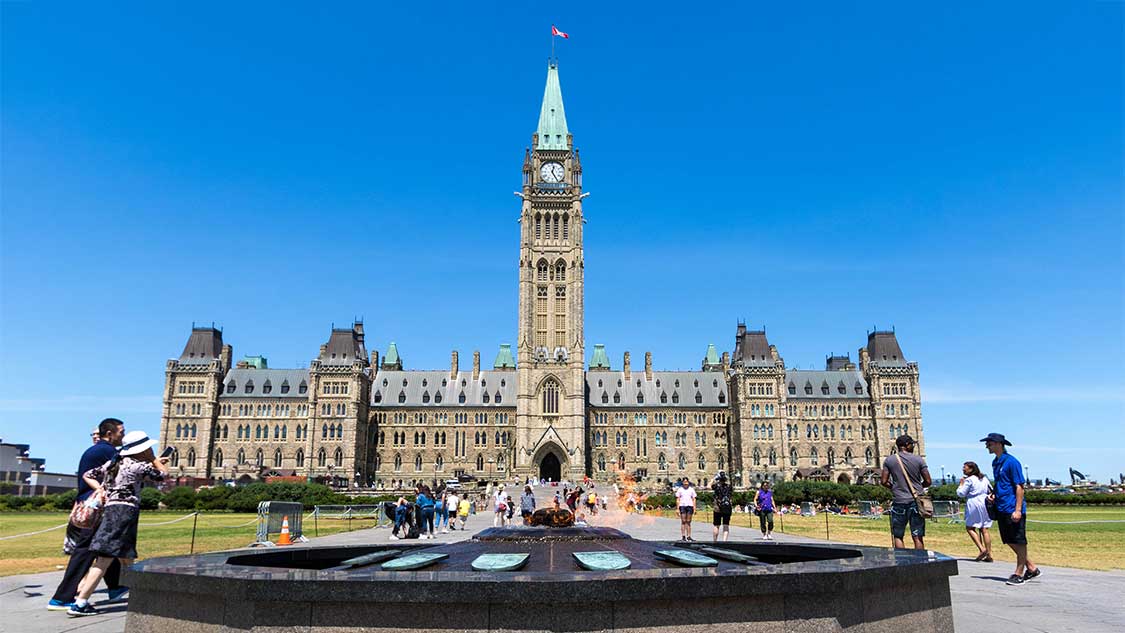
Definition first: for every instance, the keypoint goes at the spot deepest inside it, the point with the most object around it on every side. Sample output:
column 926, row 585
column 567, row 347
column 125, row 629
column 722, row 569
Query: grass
column 1099, row 546
column 217, row 531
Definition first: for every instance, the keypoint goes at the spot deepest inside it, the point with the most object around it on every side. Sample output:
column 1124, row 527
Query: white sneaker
column 445, row 531
column 394, row 538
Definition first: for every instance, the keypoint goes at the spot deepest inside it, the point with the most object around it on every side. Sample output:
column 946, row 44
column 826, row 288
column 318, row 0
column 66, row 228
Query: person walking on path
column 527, row 504
column 724, row 506
column 1011, row 507
column 763, row 505
column 973, row 488
column 441, row 517
column 685, row 502
column 452, row 505
column 108, row 438
column 499, row 506
column 463, row 509
column 906, row 475
column 120, row 480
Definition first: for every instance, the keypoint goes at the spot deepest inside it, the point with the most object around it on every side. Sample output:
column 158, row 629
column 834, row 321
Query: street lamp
column 943, row 473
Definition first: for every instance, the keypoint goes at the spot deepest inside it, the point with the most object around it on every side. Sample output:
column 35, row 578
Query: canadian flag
column 559, row 33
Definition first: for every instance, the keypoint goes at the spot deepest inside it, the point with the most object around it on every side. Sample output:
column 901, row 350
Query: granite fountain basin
column 541, row 582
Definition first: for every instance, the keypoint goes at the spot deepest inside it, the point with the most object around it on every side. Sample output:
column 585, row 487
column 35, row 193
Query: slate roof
column 204, row 345
column 258, row 378
column 855, row 387
column 611, row 383
column 883, row 349
column 344, row 347
column 751, row 348
column 389, row 384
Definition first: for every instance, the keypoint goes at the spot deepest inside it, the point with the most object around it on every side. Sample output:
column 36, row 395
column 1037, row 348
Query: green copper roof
column 712, row 357
column 504, row 358
column 600, row 361
column 392, row 355
column 257, row 362
column 552, row 131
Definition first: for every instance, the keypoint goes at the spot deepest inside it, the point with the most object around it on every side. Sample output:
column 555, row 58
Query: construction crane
column 1076, row 477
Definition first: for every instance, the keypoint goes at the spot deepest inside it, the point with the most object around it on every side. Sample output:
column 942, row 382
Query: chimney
column 726, row 361
column 224, row 357
column 476, row 365
column 648, row 366
column 454, row 367
column 628, row 369
column 773, row 352
column 375, row 359
column 357, row 327
column 323, row 350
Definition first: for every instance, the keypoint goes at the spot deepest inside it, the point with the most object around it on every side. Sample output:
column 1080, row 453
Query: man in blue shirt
column 110, row 432
column 1011, row 508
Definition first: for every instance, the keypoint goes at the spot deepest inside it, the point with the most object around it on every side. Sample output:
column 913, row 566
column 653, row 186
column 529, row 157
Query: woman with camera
column 118, row 482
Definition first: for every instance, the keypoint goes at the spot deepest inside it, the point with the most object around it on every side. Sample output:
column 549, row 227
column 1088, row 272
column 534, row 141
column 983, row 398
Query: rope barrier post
column 781, row 517
column 194, row 523
column 316, row 523
column 826, row 513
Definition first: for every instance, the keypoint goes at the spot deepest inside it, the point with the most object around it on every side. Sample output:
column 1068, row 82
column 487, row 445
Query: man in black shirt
column 110, row 432
column 723, row 492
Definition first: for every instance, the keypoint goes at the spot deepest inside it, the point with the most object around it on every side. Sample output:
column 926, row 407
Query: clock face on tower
column 551, row 172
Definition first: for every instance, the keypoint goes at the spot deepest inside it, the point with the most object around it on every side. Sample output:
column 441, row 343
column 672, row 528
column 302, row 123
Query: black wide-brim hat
column 996, row 437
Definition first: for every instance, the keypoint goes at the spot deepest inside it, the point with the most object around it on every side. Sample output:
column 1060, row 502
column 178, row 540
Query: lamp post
column 943, row 473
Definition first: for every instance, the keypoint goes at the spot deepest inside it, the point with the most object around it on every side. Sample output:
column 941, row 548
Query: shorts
column 721, row 518
column 117, row 533
column 686, row 512
column 1012, row 532
column 525, row 513
column 903, row 513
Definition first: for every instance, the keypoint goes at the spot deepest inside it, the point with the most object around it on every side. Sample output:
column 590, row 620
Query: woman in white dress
column 974, row 489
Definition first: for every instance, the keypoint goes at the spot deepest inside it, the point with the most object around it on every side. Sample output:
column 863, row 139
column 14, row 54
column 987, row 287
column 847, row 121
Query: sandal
column 980, row 556
column 986, row 559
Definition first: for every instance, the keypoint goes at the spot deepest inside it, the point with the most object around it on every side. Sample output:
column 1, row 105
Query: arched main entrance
column 550, row 467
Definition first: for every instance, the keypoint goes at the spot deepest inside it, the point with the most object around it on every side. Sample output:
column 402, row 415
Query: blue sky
column 952, row 171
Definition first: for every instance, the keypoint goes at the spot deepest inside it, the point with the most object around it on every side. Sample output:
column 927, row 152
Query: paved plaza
column 1063, row 600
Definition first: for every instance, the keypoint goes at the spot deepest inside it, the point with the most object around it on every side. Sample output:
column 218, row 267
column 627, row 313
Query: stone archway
column 550, row 468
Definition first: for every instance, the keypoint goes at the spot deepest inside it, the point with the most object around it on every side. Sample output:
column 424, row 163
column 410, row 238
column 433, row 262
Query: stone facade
column 542, row 412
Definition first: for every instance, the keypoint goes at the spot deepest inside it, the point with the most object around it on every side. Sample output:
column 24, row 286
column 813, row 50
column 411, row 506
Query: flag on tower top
column 559, row 33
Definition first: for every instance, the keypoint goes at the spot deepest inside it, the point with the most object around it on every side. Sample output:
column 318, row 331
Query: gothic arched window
column 550, row 398
column 300, row 458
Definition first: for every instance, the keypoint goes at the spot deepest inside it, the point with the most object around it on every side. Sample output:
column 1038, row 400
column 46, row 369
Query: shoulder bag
column 924, row 502
column 85, row 515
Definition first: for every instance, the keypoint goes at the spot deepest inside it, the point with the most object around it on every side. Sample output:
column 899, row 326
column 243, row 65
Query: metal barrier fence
column 350, row 512
column 271, row 515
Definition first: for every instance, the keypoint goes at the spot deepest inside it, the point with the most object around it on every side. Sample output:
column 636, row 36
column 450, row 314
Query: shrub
column 213, row 498
column 180, row 498
column 150, row 498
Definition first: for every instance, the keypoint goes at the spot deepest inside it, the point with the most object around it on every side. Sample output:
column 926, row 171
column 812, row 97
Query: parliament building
column 354, row 417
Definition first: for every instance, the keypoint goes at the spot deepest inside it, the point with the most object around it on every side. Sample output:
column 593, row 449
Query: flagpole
column 552, row 44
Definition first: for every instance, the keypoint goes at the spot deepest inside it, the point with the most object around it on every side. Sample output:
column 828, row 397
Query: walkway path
column 1063, row 600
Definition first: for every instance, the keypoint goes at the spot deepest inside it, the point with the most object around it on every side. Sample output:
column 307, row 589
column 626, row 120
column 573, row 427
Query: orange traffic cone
column 284, row 539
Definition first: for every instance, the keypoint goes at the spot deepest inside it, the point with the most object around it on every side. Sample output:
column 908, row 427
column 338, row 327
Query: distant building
column 23, row 475
column 539, row 411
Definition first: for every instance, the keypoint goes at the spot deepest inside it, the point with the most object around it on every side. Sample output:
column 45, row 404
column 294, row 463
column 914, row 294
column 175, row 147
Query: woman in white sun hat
column 119, row 483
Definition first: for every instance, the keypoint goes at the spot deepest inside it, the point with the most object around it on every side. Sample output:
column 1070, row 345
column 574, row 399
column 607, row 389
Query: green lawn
column 1088, row 546
column 214, row 532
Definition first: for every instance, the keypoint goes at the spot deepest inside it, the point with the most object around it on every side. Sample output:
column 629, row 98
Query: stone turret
column 454, row 365
column 476, row 365
column 648, row 366
column 627, row 367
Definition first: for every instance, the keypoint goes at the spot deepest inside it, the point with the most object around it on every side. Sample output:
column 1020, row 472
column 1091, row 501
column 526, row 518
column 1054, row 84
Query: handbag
column 924, row 502
column 84, row 515
column 990, row 503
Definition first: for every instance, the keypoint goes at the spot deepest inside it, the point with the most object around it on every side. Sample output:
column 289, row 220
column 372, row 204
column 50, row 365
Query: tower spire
column 552, row 132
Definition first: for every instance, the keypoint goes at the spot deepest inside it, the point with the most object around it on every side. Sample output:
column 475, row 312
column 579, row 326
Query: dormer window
column 663, row 397
column 303, row 387
column 249, row 386
column 401, row 397
column 230, row 387
column 484, row 397
column 841, row 387
column 616, row 397
column 698, row 398
column 503, row 383
column 461, row 398
column 444, row 382
column 496, row 398
column 808, row 388
column 858, row 388
column 403, row 382
column 425, row 382
column 384, row 382
column 677, row 383
column 378, row 397
column 640, row 398
column 675, row 397
column 464, row 382
column 267, row 388
column 722, row 398
column 599, row 383
column 697, row 384
column 824, row 388
column 792, row 389
column 437, row 397
column 638, row 383
column 618, row 382
column 605, row 398
column 285, row 387
column 426, row 397
column 715, row 383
